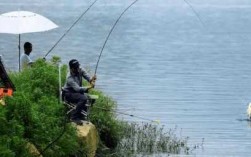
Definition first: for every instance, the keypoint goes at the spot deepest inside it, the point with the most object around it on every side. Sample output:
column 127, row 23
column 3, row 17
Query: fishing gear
column 70, row 28
column 195, row 12
column 111, row 32
column 131, row 115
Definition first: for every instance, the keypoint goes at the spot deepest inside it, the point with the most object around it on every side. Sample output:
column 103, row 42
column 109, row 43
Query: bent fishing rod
column 104, row 109
column 195, row 12
column 70, row 28
column 110, row 34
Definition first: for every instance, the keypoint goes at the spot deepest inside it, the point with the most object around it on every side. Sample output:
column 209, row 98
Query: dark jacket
column 74, row 82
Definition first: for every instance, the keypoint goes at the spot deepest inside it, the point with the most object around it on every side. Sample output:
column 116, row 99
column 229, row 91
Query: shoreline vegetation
column 34, row 115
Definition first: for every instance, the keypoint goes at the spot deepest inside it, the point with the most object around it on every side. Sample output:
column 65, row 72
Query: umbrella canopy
column 20, row 22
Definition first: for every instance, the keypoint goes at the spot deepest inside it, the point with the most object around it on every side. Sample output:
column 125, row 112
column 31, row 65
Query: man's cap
column 74, row 64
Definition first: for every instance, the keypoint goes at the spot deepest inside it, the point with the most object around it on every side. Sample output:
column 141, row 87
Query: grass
column 148, row 139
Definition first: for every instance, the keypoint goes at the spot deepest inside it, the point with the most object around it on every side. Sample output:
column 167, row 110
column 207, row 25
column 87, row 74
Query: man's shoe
column 77, row 121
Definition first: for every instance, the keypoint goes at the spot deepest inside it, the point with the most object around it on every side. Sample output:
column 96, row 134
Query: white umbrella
column 19, row 22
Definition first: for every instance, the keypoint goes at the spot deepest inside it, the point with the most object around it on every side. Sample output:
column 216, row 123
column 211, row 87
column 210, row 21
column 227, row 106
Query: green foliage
column 109, row 127
column 147, row 139
column 12, row 142
column 34, row 115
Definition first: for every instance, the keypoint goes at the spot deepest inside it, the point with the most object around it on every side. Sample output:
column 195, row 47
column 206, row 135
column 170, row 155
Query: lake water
column 160, row 60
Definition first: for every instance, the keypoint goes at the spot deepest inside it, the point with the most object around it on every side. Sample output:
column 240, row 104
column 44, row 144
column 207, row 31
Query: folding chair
column 71, row 106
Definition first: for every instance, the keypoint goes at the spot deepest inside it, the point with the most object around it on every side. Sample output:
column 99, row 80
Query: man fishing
column 74, row 92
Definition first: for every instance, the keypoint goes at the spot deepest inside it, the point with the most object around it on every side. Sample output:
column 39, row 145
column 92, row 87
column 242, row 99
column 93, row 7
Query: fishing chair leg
column 72, row 107
column 88, row 105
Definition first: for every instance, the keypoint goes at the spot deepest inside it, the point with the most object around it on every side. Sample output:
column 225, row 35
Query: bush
column 146, row 139
column 109, row 127
column 34, row 115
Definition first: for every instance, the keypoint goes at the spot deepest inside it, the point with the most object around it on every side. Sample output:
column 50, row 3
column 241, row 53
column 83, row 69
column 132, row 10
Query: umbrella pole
column 19, row 38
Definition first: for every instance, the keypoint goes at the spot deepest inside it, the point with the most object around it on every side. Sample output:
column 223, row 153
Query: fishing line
column 126, row 109
column 195, row 12
column 70, row 28
column 131, row 115
column 111, row 32
column 56, row 139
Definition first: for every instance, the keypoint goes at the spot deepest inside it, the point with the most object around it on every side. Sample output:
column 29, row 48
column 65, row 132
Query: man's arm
column 85, row 75
column 75, row 86
column 29, row 61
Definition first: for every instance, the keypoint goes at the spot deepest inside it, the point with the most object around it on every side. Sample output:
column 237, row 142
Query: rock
column 33, row 150
column 88, row 136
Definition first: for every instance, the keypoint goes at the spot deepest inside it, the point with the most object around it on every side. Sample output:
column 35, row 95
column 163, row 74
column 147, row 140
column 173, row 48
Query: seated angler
column 74, row 92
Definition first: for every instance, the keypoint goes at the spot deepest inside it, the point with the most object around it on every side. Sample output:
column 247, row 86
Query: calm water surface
column 160, row 60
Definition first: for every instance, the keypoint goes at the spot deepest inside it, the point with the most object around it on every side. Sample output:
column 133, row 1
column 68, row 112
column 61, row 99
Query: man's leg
column 80, row 101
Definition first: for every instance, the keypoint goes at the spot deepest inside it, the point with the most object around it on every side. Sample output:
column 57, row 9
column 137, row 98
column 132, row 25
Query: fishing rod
column 70, row 28
column 110, row 34
column 131, row 115
column 195, row 12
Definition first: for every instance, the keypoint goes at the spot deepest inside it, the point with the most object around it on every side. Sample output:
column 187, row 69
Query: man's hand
column 93, row 79
column 91, row 86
